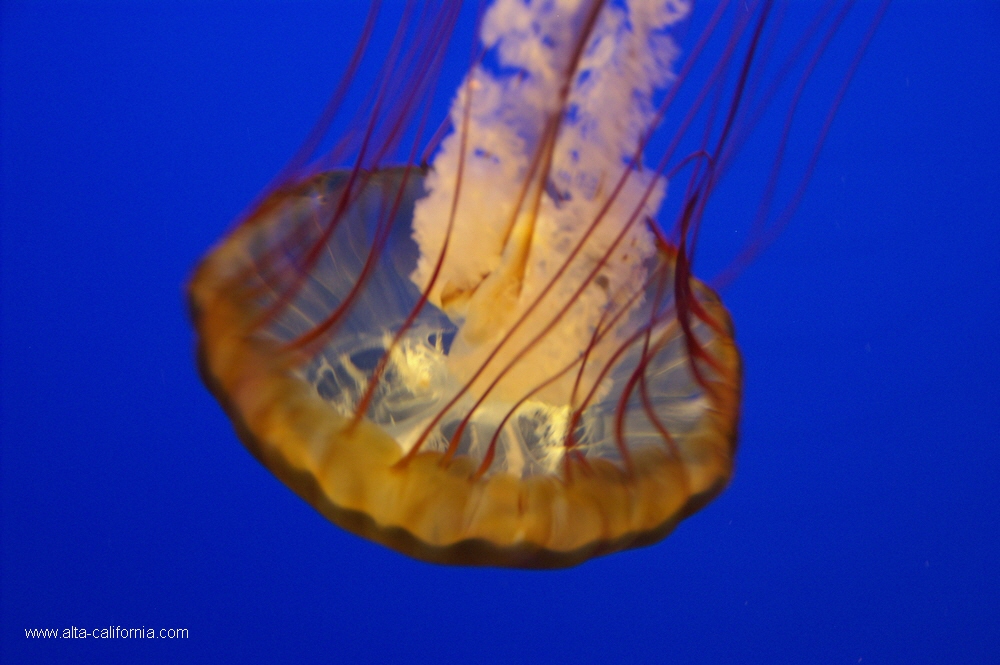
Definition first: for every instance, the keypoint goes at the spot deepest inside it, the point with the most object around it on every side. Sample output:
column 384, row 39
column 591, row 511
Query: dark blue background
column 861, row 526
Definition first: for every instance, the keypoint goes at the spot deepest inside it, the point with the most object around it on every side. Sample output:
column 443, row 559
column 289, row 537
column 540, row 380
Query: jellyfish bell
column 497, row 358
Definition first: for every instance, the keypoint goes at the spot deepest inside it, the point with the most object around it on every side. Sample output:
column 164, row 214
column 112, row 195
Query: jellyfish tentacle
column 358, row 178
column 428, row 70
column 599, row 333
column 322, row 126
column 641, row 366
column 766, row 236
column 541, row 154
column 439, row 262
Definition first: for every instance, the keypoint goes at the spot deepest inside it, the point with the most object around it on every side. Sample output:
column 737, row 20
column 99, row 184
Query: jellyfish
column 497, row 353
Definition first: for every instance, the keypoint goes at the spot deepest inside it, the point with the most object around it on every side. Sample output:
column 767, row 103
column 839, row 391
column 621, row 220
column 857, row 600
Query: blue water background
column 861, row 525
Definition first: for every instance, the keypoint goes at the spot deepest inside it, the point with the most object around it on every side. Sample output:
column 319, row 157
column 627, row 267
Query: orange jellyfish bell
column 498, row 358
